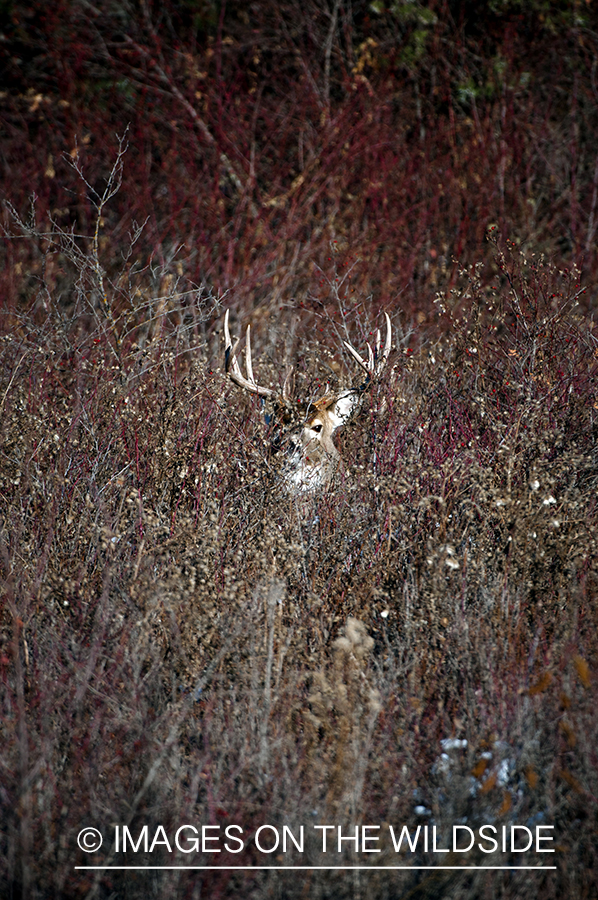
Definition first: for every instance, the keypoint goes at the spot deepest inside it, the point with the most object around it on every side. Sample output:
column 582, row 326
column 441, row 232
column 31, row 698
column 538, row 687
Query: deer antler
column 377, row 357
column 307, row 429
column 233, row 369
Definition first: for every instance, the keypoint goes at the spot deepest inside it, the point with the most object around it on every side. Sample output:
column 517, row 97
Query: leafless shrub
column 181, row 641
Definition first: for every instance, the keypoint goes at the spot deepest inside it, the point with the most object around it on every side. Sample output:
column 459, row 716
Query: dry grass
column 183, row 642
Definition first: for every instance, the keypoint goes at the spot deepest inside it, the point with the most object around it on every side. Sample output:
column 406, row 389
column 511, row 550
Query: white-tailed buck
column 307, row 429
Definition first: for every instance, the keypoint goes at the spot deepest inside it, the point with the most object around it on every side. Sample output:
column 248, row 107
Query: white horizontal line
column 309, row 868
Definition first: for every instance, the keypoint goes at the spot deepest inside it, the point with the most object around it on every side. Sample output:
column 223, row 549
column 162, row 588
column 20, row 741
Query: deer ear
column 345, row 405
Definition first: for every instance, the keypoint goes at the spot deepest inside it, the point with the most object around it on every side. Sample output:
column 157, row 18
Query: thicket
column 261, row 133
column 181, row 641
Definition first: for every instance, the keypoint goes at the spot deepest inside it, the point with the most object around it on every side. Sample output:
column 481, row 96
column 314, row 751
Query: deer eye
column 317, row 427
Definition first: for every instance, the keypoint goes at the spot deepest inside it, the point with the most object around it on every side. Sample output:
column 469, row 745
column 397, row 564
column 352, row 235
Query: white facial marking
column 344, row 407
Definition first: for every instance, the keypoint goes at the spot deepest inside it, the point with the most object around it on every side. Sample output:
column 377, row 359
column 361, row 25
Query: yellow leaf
column 569, row 733
column 506, row 804
column 479, row 768
column 583, row 670
column 488, row 784
column 540, row 686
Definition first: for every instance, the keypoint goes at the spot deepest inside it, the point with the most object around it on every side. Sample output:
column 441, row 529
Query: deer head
column 312, row 457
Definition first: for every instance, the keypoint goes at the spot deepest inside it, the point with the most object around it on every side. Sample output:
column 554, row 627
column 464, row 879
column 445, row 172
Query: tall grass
column 182, row 642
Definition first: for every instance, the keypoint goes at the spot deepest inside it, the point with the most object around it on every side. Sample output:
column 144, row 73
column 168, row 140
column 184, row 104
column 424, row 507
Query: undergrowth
column 184, row 642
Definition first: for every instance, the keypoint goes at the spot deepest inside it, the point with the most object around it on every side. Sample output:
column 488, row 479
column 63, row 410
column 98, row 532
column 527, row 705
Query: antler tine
column 356, row 356
column 377, row 357
column 248, row 364
column 371, row 360
column 382, row 357
column 286, row 388
column 232, row 367
column 230, row 358
column 388, row 342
